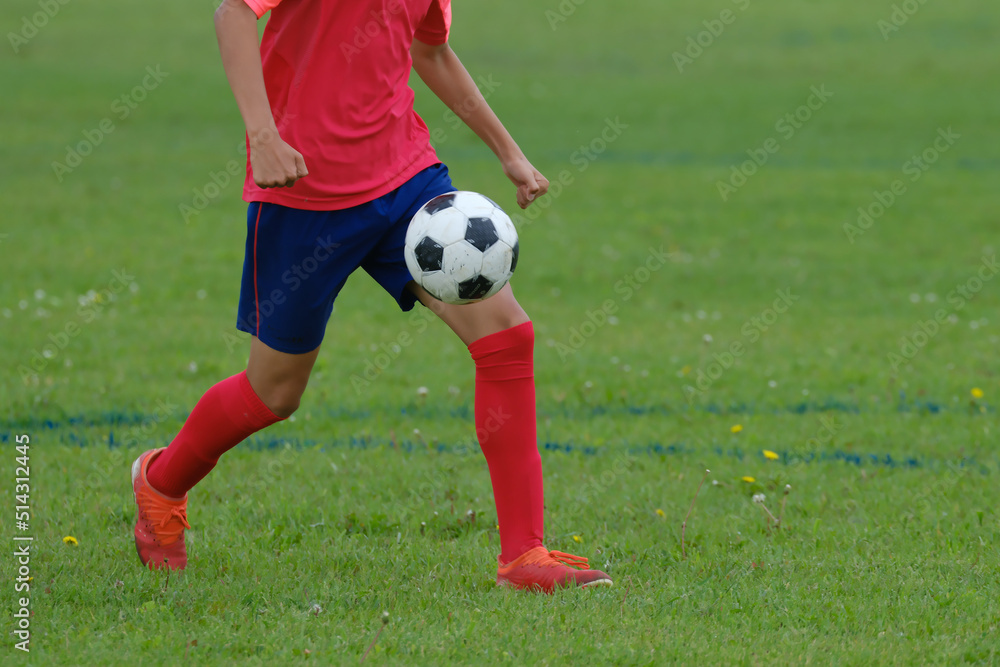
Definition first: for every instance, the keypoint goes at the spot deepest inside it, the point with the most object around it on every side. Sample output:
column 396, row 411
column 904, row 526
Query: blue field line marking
column 464, row 412
column 261, row 443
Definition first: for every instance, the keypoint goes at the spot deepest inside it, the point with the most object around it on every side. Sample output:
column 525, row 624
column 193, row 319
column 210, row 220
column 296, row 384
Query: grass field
column 861, row 352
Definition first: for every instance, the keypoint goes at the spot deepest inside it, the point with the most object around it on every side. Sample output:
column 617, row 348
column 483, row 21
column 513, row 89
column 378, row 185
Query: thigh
column 273, row 374
column 472, row 321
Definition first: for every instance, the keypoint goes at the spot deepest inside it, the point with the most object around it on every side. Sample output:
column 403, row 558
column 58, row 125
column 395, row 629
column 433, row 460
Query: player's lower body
column 296, row 263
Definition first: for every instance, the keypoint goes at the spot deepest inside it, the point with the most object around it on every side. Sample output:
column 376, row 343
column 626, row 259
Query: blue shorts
column 297, row 261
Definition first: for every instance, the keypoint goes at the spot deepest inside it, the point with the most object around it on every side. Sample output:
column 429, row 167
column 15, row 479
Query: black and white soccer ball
column 461, row 247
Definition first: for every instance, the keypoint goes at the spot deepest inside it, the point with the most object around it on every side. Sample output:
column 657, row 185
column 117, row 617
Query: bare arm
column 446, row 76
column 274, row 163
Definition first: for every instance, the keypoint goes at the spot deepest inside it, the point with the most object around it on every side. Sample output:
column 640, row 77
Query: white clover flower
column 422, row 392
column 759, row 498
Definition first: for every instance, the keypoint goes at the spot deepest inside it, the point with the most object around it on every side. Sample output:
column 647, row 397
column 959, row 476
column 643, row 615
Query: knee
column 283, row 405
column 282, row 399
column 507, row 314
column 516, row 319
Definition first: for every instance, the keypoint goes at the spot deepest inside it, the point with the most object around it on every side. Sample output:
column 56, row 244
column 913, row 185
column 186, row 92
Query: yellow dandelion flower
column 977, row 392
column 748, row 479
column 69, row 539
column 736, row 428
column 685, row 370
column 768, row 454
column 661, row 513
column 577, row 538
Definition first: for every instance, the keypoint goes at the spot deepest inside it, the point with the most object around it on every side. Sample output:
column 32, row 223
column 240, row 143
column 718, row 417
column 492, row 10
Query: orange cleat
column 160, row 521
column 544, row 570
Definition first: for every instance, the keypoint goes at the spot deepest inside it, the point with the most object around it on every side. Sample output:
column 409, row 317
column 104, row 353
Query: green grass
column 888, row 551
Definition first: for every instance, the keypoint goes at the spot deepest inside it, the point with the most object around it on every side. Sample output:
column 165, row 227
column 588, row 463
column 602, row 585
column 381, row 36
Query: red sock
column 227, row 413
column 505, row 426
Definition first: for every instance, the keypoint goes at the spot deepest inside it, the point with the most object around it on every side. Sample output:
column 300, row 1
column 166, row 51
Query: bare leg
column 278, row 378
column 473, row 321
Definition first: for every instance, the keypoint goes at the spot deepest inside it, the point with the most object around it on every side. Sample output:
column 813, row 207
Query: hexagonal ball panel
column 461, row 261
column 496, row 262
column 505, row 228
column 447, row 226
column 473, row 204
column 440, row 286
column 411, row 263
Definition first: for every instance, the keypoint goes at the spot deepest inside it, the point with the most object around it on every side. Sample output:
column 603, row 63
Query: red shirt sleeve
column 435, row 27
column 261, row 7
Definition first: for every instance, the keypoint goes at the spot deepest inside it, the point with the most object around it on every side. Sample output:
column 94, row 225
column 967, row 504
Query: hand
column 274, row 163
column 529, row 181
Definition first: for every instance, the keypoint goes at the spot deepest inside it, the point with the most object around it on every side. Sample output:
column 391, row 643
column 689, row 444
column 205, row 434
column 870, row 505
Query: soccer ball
column 461, row 247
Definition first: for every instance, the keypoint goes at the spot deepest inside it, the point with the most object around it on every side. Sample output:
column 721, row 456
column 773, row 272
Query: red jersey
column 337, row 78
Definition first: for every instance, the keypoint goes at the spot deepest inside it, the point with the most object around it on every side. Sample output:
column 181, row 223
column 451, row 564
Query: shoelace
column 169, row 523
column 578, row 562
column 175, row 511
column 554, row 558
